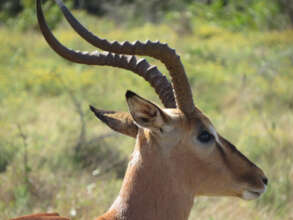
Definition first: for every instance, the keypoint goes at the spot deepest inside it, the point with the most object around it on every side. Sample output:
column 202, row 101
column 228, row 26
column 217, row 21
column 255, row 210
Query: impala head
column 200, row 159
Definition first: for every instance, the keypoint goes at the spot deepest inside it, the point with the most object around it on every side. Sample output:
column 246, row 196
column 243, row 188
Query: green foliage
column 27, row 18
column 22, row 195
column 238, row 15
column 234, row 14
column 99, row 153
column 6, row 155
column 9, row 8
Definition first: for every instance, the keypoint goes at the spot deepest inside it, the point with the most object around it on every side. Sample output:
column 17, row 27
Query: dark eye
column 205, row 137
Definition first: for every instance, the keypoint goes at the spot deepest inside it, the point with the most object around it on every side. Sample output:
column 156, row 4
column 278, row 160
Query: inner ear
column 145, row 113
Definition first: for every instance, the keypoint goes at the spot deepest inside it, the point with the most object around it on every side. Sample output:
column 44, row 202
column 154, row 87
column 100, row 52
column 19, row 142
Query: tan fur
column 172, row 169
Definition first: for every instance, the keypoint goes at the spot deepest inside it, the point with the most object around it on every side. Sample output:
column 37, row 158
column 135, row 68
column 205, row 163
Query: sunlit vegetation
column 243, row 80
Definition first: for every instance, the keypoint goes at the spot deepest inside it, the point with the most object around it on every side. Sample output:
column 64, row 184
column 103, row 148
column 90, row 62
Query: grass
column 242, row 80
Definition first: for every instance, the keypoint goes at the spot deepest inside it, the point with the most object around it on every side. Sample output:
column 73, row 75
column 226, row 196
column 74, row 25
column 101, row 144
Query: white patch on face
column 214, row 133
column 247, row 195
column 254, row 194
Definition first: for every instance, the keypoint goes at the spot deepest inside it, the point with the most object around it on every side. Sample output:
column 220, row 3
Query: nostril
column 265, row 180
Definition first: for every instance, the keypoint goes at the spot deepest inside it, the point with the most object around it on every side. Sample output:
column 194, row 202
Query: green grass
column 242, row 80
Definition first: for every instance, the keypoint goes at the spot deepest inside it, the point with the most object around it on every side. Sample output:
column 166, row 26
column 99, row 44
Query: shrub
column 6, row 155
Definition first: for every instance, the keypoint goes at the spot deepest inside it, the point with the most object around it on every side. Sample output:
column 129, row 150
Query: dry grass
column 243, row 81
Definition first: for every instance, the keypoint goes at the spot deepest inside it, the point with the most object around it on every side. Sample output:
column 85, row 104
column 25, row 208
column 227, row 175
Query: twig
column 77, row 105
column 25, row 154
column 82, row 141
column 108, row 169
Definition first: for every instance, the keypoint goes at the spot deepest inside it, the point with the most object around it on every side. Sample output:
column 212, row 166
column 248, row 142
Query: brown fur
column 162, row 183
column 42, row 216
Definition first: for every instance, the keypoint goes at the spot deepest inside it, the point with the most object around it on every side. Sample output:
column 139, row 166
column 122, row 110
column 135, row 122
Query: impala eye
column 205, row 137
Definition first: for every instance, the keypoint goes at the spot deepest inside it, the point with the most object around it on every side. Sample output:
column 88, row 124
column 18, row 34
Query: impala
column 178, row 154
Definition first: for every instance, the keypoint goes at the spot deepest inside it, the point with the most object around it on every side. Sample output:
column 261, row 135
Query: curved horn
column 141, row 67
column 156, row 50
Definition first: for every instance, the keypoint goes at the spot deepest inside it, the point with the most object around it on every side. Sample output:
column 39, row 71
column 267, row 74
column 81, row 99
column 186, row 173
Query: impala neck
column 149, row 190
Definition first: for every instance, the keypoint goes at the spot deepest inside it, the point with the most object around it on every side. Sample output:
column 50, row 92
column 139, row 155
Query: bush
column 239, row 15
column 98, row 154
column 26, row 19
column 6, row 155
column 266, row 14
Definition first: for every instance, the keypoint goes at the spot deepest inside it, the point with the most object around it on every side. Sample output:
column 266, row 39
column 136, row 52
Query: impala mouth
column 253, row 194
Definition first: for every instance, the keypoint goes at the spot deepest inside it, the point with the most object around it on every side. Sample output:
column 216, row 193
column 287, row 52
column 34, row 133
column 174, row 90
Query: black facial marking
column 233, row 149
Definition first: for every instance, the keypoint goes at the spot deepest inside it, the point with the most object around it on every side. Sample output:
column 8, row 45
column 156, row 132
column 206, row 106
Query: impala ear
column 121, row 122
column 145, row 113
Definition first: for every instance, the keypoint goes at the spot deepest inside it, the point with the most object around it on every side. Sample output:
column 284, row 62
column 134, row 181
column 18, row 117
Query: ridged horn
column 141, row 67
column 160, row 51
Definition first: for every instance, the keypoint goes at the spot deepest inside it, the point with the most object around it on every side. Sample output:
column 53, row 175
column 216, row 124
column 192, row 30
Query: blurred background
column 56, row 156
